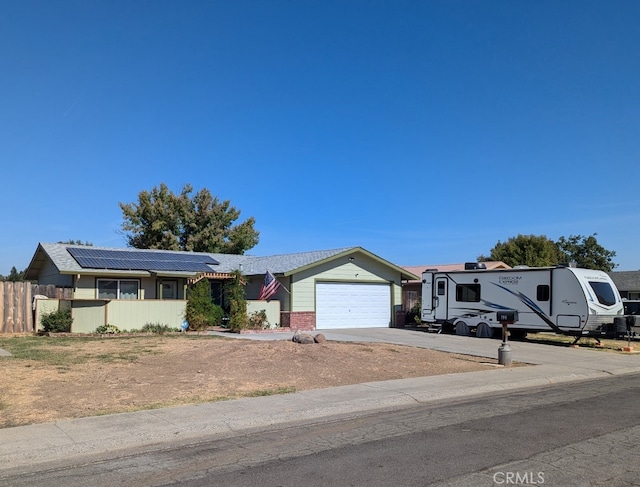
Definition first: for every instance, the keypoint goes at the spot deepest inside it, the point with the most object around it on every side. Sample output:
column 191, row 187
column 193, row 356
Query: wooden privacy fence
column 16, row 307
column 16, row 304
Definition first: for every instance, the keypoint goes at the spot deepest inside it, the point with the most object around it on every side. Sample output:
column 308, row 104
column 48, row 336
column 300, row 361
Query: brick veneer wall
column 299, row 320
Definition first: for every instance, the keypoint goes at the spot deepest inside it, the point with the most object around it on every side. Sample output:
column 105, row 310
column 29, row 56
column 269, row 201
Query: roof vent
column 470, row 266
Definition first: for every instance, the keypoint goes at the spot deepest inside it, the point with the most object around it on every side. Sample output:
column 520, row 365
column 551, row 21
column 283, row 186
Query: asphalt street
column 582, row 434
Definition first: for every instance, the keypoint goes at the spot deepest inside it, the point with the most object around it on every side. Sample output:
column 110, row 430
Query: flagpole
column 282, row 286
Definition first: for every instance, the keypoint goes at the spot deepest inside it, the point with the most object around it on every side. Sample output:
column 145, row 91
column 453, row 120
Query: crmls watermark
column 515, row 478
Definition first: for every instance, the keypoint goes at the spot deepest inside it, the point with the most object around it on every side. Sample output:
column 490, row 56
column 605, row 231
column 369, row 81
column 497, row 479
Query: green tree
column 530, row 250
column 234, row 290
column 14, row 275
column 586, row 252
column 199, row 223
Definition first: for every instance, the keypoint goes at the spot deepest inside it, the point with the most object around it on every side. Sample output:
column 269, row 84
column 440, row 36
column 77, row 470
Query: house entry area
column 352, row 305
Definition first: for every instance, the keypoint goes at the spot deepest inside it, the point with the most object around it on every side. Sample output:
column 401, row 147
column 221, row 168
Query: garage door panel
column 352, row 305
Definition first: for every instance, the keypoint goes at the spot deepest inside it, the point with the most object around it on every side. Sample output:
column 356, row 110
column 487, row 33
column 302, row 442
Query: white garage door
column 352, row 305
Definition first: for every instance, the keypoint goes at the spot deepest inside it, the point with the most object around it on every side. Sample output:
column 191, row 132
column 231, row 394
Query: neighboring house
column 340, row 288
column 627, row 282
column 411, row 289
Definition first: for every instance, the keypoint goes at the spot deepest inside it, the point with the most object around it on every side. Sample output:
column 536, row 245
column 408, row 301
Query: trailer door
column 440, row 301
column 427, row 293
column 427, row 297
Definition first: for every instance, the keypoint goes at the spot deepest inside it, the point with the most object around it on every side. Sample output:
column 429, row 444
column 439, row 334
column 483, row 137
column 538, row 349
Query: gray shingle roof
column 249, row 265
column 626, row 280
column 279, row 264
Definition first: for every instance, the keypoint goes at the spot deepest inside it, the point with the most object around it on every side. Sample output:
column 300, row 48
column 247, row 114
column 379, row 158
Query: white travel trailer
column 567, row 300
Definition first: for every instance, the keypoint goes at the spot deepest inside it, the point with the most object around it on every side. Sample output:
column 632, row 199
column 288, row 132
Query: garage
column 352, row 305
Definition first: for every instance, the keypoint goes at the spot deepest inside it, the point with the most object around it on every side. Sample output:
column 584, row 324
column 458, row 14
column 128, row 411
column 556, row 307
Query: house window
column 468, row 292
column 118, row 289
column 169, row 290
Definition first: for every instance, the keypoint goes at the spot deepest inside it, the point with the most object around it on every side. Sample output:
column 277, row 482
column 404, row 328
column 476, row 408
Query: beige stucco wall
column 126, row 314
column 271, row 308
column 133, row 315
column 44, row 306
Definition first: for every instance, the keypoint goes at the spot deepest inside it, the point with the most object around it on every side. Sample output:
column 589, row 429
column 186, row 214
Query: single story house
column 340, row 288
column 627, row 282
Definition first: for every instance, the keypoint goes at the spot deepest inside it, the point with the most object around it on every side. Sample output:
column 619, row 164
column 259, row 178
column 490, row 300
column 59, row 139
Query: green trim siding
column 87, row 286
column 361, row 270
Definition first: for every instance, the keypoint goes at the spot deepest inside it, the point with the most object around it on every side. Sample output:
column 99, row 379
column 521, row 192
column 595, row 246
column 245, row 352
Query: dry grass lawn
column 54, row 378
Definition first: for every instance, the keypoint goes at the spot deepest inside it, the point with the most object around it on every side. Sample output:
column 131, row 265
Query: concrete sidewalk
column 110, row 436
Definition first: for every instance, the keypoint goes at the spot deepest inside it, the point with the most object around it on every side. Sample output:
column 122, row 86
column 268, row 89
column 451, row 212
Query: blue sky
column 423, row 131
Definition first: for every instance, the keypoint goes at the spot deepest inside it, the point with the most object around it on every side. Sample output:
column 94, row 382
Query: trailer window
column 542, row 293
column 441, row 288
column 604, row 292
column 468, row 292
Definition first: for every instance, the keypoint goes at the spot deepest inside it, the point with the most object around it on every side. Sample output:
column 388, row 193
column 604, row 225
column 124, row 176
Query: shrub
column 238, row 319
column 107, row 329
column 258, row 320
column 157, row 328
column 414, row 315
column 201, row 312
column 57, row 321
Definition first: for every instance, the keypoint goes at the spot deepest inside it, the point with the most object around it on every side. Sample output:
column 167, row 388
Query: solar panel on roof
column 92, row 258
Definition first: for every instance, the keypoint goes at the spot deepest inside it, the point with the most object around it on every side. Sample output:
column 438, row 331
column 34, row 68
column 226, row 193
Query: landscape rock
column 303, row 338
column 320, row 338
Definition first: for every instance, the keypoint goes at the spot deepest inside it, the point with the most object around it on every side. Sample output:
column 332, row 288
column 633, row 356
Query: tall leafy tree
column 199, row 222
column 539, row 251
column 586, row 252
column 530, row 250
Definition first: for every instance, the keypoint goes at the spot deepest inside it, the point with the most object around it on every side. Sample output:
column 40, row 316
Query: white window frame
column 119, row 287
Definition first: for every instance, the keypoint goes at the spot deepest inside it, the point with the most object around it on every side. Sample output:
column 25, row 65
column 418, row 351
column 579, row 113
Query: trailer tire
column 462, row 328
column 484, row 330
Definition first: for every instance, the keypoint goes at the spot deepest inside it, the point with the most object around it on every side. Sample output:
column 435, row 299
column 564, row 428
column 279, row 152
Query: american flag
column 269, row 286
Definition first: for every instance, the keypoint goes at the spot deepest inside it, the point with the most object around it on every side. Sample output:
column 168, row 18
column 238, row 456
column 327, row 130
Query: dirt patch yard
column 54, row 378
